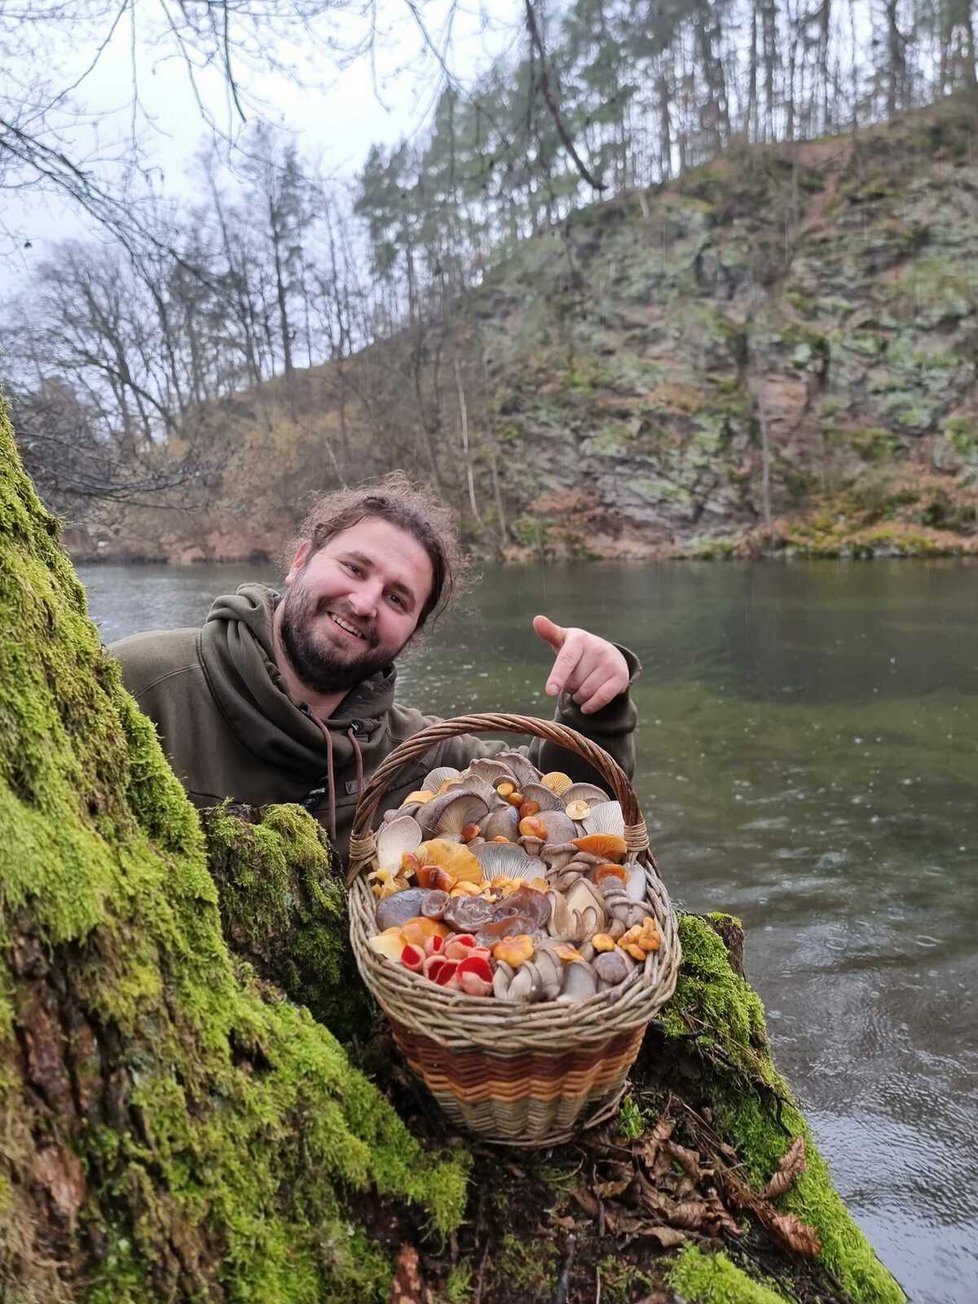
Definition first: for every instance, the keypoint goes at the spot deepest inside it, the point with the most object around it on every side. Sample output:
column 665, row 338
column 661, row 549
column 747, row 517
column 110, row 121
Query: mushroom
column 451, row 813
column 493, row 771
column 437, row 777
column 505, row 858
column 605, row 817
column 400, row 835
column 503, row 822
column 522, row 769
column 613, row 967
column 544, row 798
column 579, row 983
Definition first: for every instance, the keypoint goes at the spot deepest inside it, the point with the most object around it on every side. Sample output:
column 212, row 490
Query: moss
column 527, row 1266
column 224, row 1131
column 284, row 908
column 621, row 1282
column 459, row 1284
column 713, row 1279
column 753, row 1107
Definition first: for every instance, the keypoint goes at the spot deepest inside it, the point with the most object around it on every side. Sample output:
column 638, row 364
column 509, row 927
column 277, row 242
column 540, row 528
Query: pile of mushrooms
column 500, row 881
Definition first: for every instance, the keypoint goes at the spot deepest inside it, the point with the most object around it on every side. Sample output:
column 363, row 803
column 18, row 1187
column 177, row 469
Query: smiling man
column 290, row 697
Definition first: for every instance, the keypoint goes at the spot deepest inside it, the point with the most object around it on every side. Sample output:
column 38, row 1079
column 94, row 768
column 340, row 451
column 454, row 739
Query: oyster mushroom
column 558, row 854
column 526, row 985
column 605, row 817
column 619, row 904
column 491, row 770
column 506, row 859
column 476, row 784
column 545, row 799
column 561, row 919
column 501, row 980
column 531, row 845
column 522, row 769
column 550, row 971
column 503, row 822
column 393, row 839
column 580, row 982
column 451, row 813
column 437, row 777
column 613, row 967
column 586, row 904
column 589, row 792
column 559, row 826
column 636, row 884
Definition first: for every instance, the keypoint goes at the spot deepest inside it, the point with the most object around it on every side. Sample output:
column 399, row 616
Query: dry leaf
column 793, row 1164
column 587, row 1202
column 689, row 1160
column 608, row 1190
column 798, row 1236
column 667, row 1237
column 647, row 1149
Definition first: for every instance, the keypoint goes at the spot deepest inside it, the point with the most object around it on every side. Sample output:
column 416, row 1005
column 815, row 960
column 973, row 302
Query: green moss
column 228, row 1129
column 631, row 1121
column 753, row 1107
column 530, row 1265
column 621, row 1281
column 284, row 908
column 713, row 1279
column 459, row 1284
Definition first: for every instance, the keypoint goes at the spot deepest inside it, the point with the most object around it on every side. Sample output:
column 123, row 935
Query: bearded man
column 290, row 697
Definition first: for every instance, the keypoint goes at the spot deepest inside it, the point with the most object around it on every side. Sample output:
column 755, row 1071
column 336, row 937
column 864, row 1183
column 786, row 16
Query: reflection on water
column 808, row 761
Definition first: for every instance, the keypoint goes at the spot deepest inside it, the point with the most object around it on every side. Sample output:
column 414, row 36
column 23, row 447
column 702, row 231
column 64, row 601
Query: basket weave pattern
column 531, row 1075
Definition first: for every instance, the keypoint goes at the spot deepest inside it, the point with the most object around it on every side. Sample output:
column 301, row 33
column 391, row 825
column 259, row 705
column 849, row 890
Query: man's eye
column 396, row 599
column 353, row 568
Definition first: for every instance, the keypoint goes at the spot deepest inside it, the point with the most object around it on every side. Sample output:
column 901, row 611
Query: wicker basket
column 528, row 1075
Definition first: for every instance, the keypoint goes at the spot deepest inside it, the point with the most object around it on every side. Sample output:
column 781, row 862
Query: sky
column 335, row 105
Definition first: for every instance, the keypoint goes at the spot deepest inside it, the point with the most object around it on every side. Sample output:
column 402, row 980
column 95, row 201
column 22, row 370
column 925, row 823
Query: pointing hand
column 590, row 668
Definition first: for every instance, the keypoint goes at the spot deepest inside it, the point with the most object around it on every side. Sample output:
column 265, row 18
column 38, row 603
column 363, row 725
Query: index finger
column 564, row 665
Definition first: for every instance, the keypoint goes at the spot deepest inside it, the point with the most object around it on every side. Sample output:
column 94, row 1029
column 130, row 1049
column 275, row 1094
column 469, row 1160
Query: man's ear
column 298, row 561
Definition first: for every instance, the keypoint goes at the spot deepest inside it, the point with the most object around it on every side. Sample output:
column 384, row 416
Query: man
column 291, row 698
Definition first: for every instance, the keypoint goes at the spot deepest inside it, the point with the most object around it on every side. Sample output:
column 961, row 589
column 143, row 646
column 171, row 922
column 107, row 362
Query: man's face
column 349, row 609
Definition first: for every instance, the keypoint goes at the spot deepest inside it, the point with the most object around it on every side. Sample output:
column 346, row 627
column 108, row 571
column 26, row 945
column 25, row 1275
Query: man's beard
column 318, row 666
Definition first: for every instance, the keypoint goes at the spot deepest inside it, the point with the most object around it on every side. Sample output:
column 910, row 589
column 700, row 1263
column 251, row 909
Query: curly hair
column 413, row 509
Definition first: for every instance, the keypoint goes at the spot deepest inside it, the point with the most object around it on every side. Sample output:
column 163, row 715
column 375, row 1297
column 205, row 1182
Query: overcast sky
column 335, row 112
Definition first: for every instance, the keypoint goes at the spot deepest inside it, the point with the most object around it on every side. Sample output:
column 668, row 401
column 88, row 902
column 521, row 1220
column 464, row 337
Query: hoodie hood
column 236, row 652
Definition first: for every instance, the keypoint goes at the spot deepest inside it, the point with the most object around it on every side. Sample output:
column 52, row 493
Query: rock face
column 171, row 1126
column 779, row 349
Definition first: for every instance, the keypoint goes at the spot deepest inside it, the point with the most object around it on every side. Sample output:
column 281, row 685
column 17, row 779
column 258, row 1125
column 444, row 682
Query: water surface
column 808, row 761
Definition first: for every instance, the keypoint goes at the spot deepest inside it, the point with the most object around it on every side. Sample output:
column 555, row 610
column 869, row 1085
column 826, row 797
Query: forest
column 261, row 320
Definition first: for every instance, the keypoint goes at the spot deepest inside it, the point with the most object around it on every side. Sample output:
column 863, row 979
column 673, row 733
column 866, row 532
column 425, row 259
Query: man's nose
column 365, row 599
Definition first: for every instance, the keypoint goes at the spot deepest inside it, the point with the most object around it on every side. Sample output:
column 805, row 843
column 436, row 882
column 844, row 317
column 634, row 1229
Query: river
column 807, row 760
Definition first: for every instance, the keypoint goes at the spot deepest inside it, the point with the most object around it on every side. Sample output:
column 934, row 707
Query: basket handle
column 362, row 842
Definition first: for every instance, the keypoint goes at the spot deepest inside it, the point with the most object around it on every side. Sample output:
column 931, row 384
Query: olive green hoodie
column 230, row 728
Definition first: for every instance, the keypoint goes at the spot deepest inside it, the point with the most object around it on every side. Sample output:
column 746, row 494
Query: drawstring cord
column 330, row 778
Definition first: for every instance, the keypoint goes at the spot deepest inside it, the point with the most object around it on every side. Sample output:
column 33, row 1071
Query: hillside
column 777, row 351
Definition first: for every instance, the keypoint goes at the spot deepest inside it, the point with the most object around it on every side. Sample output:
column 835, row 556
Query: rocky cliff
column 777, row 351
